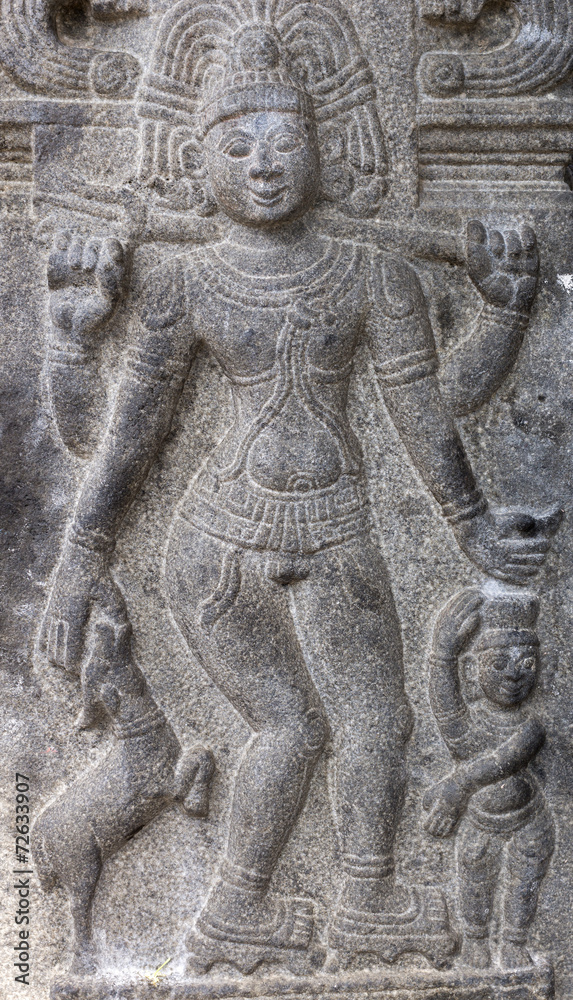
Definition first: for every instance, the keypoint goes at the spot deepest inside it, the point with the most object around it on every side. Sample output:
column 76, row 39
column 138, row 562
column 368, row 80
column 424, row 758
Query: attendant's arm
column 447, row 801
column 456, row 624
column 507, row 759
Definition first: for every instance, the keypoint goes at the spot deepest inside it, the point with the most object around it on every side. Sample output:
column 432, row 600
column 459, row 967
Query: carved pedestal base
column 535, row 983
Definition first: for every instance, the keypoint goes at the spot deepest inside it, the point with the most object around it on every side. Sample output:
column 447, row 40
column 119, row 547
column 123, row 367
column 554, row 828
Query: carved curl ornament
column 32, row 52
column 534, row 61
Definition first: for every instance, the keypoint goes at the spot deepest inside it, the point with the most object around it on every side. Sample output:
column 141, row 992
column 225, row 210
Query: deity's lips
column 267, row 197
column 511, row 687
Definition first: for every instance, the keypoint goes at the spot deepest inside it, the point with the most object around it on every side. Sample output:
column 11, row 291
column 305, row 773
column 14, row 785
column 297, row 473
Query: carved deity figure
column 506, row 837
column 272, row 572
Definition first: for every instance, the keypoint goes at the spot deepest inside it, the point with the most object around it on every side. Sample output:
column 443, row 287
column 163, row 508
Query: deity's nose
column 264, row 166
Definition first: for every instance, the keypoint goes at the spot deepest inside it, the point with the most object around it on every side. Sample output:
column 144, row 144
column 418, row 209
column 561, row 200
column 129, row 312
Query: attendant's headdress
column 508, row 620
column 217, row 59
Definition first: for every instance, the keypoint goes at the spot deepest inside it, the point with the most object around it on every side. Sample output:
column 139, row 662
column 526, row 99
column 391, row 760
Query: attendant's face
column 507, row 676
column 264, row 167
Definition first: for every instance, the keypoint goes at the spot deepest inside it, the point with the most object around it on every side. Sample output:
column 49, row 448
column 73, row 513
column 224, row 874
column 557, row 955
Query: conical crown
column 256, row 79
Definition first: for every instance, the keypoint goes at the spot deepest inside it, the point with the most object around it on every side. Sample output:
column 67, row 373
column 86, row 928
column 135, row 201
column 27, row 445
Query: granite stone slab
column 287, row 439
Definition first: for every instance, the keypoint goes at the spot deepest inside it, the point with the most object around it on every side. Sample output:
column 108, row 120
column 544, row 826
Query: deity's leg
column 238, row 623
column 351, row 637
column 350, row 634
column 479, row 858
column 528, row 856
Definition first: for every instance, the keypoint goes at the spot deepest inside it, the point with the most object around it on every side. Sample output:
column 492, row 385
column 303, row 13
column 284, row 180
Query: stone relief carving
column 511, row 61
column 263, row 43
column 534, row 61
column 506, row 837
column 261, row 225
column 272, row 573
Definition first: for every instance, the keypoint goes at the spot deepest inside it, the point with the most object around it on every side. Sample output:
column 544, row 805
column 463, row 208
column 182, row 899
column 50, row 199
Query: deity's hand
column 86, row 279
column 503, row 266
column 62, row 633
column 510, row 544
column 456, row 624
column 445, row 804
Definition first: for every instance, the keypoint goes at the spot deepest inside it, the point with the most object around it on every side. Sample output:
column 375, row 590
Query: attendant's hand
column 503, row 266
column 445, row 804
column 510, row 544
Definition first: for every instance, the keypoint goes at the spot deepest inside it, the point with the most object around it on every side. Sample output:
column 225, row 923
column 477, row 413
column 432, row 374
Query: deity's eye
column 287, row 142
column 528, row 663
column 238, row 148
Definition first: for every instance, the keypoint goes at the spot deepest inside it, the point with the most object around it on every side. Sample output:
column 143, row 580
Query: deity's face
column 507, row 675
column 264, row 167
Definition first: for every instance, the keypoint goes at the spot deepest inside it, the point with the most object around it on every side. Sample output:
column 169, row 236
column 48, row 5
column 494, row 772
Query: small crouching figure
column 506, row 836
column 145, row 771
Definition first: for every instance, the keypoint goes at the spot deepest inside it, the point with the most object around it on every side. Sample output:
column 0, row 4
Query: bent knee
column 304, row 736
column 535, row 843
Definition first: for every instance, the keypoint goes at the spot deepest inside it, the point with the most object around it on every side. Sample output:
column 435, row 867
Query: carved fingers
column 525, row 538
column 86, row 278
column 509, row 544
column 61, row 638
column 503, row 266
column 453, row 11
column 445, row 804
column 62, row 632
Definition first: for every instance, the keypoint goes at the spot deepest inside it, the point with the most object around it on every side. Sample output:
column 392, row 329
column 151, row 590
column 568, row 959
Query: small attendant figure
column 506, row 837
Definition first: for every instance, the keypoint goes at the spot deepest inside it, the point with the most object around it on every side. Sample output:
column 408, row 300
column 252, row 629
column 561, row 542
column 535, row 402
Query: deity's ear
column 354, row 164
column 192, row 159
column 188, row 166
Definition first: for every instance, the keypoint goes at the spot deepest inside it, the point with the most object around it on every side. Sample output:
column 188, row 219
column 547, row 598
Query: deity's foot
column 279, row 930
column 422, row 927
column 514, row 956
column 476, row 953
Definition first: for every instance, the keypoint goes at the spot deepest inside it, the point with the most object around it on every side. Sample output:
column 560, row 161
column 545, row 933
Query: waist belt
column 248, row 515
column 508, row 822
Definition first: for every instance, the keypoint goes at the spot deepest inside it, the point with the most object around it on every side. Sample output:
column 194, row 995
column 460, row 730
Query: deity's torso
column 286, row 345
column 287, row 475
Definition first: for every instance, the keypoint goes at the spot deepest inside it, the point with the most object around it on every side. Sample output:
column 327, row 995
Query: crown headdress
column 509, row 620
column 216, row 59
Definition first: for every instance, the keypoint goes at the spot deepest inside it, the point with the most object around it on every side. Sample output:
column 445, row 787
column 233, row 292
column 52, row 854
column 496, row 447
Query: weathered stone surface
column 287, row 430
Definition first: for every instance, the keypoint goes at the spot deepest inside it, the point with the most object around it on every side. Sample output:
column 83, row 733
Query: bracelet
column 468, row 507
column 68, row 354
column 90, row 539
column 505, row 314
